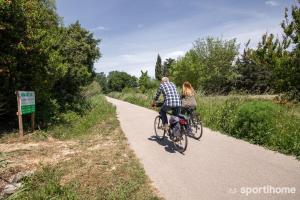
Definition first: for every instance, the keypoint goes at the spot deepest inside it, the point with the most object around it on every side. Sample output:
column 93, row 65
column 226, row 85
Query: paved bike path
column 216, row 167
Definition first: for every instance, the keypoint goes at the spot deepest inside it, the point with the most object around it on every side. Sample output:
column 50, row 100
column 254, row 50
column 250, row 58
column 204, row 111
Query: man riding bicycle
column 171, row 100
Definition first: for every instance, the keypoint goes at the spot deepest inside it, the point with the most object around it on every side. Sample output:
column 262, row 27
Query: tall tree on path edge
column 158, row 68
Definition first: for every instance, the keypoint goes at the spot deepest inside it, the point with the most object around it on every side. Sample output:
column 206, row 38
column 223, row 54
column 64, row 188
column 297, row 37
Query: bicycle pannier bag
column 175, row 126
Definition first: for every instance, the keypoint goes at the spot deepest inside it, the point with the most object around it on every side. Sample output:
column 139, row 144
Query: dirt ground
column 22, row 156
column 98, row 162
column 29, row 155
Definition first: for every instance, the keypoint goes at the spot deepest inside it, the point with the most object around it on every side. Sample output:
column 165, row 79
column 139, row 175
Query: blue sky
column 133, row 32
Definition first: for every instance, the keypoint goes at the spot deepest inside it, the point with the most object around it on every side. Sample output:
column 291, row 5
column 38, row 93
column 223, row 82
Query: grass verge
column 87, row 158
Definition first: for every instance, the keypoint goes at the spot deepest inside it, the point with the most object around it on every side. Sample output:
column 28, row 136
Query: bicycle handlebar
column 159, row 104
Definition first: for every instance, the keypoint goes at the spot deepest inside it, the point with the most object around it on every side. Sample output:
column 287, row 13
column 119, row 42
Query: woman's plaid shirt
column 171, row 96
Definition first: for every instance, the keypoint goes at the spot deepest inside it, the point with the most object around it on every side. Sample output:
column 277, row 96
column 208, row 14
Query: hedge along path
column 216, row 167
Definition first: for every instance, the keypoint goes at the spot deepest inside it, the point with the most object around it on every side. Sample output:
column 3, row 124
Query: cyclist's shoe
column 165, row 127
column 176, row 138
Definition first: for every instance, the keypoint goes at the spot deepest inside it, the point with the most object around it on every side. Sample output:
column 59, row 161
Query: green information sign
column 27, row 101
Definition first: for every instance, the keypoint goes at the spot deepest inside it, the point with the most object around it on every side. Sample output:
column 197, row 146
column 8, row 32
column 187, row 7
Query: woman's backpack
column 189, row 101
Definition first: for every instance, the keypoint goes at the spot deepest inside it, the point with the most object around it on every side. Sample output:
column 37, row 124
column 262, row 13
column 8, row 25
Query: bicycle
column 195, row 123
column 179, row 140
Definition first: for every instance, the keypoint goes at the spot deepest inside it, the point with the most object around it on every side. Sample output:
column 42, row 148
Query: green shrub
column 146, row 83
column 287, row 135
column 129, row 90
column 228, row 115
column 210, row 111
column 91, row 90
column 256, row 121
column 75, row 125
column 69, row 117
column 47, row 111
column 292, row 95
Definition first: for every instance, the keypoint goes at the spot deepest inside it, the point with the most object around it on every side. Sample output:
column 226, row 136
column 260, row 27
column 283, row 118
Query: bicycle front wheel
column 158, row 128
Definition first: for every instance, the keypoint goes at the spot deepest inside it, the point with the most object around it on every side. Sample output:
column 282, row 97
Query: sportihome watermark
column 266, row 189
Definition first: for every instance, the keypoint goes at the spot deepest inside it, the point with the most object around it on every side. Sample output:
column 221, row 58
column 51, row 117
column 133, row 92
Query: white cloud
column 174, row 54
column 100, row 28
column 253, row 31
column 130, row 63
column 272, row 3
column 134, row 63
column 137, row 58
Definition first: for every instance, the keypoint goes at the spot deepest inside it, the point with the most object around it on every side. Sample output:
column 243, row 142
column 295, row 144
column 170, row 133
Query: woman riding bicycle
column 188, row 99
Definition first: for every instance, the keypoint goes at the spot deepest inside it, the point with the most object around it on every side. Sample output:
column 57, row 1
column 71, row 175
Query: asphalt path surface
column 216, row 167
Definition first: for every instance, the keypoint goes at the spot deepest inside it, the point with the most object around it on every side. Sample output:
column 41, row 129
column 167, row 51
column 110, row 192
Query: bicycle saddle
column 182, row 116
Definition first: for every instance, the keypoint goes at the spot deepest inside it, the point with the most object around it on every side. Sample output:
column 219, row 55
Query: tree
column 273, row 66
column 79, row 50
column 187, row 68
column 208, row 65
column 216, row 57
column 117, row 81
column 38, row 53
column 144, row 81
column 102, row 80
column 291, row 75
column 158, row 68
column 252, row 76
column 292, row 28
column 167, row 66
column 29, row 60
column 258, row 68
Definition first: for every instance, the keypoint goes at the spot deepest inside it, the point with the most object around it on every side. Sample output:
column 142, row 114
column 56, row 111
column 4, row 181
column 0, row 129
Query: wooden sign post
column 26, row 105
column 19, row 113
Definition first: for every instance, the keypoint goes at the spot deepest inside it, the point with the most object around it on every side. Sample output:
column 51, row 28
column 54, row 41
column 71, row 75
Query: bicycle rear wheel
column 159, row 132
column 197, row 127
column 181, row 142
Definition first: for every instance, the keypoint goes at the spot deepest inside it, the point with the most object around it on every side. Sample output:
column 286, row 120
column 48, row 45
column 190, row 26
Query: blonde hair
column 187, row 89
